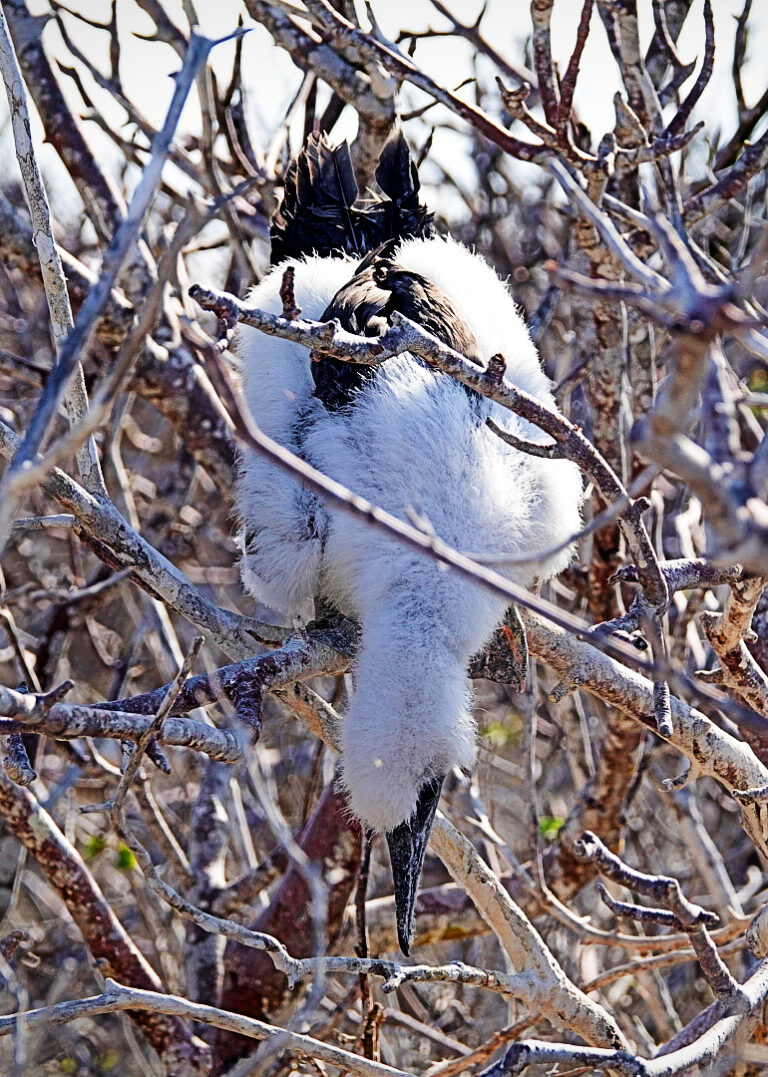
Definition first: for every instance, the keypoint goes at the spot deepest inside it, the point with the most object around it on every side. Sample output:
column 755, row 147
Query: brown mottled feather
column 365, row 306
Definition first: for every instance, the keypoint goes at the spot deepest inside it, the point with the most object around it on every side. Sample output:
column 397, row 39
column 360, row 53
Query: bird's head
column 409, row 720
column 401, row 805
column 407, row 846
column 396, row 794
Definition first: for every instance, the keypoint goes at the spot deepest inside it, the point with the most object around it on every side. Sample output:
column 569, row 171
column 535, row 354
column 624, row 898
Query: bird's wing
column 401, row 214
column 316, row 215
column 365, row 306
column 320, row 213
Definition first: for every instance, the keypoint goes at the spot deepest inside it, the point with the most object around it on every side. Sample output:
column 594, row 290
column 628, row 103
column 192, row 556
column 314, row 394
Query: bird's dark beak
column 407, row 846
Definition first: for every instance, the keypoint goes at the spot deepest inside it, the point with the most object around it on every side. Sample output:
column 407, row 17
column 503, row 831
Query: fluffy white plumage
column 417, row 438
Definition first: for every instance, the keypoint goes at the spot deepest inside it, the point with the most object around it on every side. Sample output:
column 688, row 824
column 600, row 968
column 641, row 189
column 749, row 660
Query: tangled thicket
column 168, row 814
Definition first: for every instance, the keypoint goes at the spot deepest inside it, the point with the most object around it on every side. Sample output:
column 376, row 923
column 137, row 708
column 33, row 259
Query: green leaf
column 94, row 845
column 549, row 825
column 496, row 735
column 107, row 1062
column 125, row 860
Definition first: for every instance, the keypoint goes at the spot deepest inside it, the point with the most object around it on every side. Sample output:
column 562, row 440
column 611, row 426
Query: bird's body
column 409, row 439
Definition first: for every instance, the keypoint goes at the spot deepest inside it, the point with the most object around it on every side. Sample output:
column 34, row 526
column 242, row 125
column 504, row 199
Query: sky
column 271, row 79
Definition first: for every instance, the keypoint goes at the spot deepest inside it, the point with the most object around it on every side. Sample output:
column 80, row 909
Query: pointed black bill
column 407, row 846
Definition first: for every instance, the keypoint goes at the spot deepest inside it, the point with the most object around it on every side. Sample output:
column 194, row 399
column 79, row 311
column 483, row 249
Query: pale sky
column 271, row 79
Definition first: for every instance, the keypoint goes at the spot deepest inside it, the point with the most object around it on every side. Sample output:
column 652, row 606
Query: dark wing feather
column 327, row 174
column 398, row 178
column 396, row 173
column 365, row 306
column 419, row 299
column 316, row 215
column 319, row 214
column 400, row 215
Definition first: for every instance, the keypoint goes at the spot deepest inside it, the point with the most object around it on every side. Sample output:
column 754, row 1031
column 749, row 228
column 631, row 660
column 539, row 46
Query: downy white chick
column 403, row 436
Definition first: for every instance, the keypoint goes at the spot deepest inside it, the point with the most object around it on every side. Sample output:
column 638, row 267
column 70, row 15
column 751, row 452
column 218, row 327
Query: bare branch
column 120, row 997
column 679, row 912
column 727, row 633
column 76, row 340
column 54, row 281
column 68, row 721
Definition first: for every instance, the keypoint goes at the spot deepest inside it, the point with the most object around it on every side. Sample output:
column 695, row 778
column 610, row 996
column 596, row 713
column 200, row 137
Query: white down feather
column 413, row 438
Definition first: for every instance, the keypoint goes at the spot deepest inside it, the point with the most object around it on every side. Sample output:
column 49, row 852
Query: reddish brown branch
column 682, row 116
column 101, row 930
column 253, row 986
column 568, row 85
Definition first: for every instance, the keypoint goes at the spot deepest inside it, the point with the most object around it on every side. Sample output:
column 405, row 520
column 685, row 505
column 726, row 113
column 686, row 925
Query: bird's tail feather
column 396, row 173
column 322, row 213
column 316, row 212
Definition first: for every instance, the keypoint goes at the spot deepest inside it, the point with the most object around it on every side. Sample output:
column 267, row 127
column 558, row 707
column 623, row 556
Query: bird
column 413, row 441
